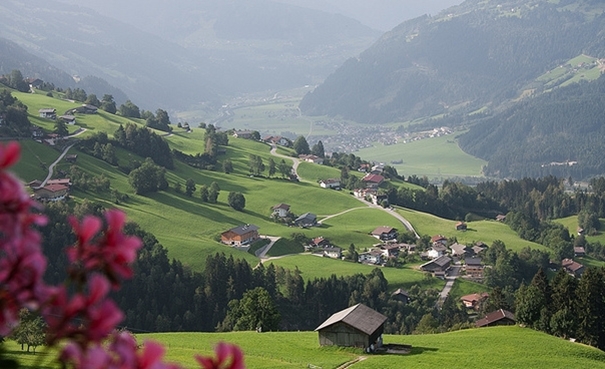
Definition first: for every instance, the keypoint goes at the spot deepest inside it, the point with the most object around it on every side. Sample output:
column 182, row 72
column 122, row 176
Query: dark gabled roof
column 359, row 317
column 494, row 317
column 472, row 261
column 441, row 261
column 439, row 247
column 309, row 217
column 400, row 292
column 243, row 229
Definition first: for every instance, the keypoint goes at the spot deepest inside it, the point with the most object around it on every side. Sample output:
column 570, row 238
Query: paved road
column 295, row 161
column 51, row 168
column 260, row 253
column 450, row 279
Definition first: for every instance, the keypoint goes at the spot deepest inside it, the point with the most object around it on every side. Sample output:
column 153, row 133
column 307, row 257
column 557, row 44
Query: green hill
column 498, row 347
column 189, row 228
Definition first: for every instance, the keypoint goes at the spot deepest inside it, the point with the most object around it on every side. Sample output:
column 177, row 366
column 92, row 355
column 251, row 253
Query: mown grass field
column 497, row 347
column 571, row 223
column 439, row 157
column 486, row 231
column 463, row 287
column 313, row 267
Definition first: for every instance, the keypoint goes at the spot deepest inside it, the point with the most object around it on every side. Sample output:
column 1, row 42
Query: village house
column 373, row 180
column 243, row 134
column 319, row 242
column 438, row 265
column 579, row 251
column 87, row 109
column 479, row 247
column 330, row 183
column 51, row 192
column 501, row 218
column 306, row 220
column 278, row 140
column 311, row 159
column 333, row 252
column 474, row 300
column 37, row 132
column 401, row 295
column 385, row 233
column 573, row 268
column 436, row 251
column 473, row 268
column 48, row 113
column 281, row 210
column 53, row 139
column 390, row 250
column 71, row 158
column 59, row 181
column 498, row 317
column 459, row 250
column 371, row 257
column 439, row 239
column 461, row 226
column 34, row 82
column 357, row 326
column 69, row 119
column 241, row 235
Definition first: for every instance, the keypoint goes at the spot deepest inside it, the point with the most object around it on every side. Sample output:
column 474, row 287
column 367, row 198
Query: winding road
column 51, row 168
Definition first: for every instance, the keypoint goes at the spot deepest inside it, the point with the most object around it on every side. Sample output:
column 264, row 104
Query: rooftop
column 357, row 316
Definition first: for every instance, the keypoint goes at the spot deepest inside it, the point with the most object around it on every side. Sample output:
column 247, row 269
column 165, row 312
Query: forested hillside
column 558, row 133
column 468, row 56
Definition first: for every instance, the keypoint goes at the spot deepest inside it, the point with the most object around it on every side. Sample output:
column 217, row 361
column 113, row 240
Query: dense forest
column 557, row 133
column 479, row 53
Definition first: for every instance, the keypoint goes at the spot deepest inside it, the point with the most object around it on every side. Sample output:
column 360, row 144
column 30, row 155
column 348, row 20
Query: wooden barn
column 357, row 326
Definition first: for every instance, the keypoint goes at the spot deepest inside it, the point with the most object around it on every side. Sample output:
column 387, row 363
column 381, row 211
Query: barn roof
column 359, row 317
column 494, row 317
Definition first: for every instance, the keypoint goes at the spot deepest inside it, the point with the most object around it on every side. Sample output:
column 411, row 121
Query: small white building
column 330, row 183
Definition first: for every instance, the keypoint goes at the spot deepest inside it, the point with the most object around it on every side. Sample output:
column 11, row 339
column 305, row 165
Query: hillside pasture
column 571, row 223
column 439, row 157
column 495, row 347
column 313, row 267
column 35, row 159
column 486, row 231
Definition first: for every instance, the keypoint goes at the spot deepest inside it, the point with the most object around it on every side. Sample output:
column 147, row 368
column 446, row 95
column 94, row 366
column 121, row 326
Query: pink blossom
column 228, row 356
column 84, row 318
column 110, row 253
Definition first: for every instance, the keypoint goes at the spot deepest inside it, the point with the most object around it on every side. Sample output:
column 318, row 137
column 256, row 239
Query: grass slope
column 434, row 157
column 497, row 347
column 317, row 267
column 485, row 230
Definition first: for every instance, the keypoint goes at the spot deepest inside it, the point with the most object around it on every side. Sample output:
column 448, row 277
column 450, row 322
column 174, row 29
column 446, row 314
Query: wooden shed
column 357, row 326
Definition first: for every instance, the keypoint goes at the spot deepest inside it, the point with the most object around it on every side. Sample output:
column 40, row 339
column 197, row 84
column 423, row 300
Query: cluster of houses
column 441, row 257
column 320, row 246
column 282, row 211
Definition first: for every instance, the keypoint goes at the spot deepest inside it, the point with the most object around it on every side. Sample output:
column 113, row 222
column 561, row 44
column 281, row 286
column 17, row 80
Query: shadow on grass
column 420, row 350
column 192, row 208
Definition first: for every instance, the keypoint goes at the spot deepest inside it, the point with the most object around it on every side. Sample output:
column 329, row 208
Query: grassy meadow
column 496, row 347
column 313, row 267
column 571, row 223
column 486, row 231
column 439, row 157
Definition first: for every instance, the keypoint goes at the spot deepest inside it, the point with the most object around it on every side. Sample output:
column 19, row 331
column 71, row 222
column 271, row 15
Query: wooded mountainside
column 559, row 133
column 475, row 54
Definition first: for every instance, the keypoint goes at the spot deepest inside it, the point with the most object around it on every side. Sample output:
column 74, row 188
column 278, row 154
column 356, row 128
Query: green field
column 498, row 347
column 571, row 223
column 318, row 267
column 438, row 157
column 486, row 231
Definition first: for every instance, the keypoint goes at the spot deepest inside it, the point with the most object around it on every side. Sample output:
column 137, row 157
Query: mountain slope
column 12, row 56
column 467, row 56
column 82, row 42
column 236, row 46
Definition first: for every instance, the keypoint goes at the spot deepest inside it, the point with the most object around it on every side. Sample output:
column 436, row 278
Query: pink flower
column 9, row 154
column 84, row 318
column 110, row 253
column 121, row 353
column 228, row 356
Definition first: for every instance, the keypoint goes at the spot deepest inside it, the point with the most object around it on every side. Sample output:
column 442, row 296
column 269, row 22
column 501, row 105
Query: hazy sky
column 382, row 15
